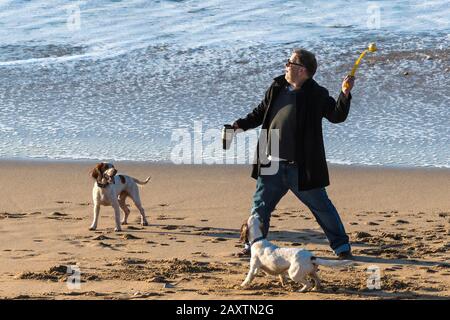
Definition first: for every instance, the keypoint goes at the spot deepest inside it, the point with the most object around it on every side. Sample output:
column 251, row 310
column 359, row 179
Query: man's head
column 301, row 66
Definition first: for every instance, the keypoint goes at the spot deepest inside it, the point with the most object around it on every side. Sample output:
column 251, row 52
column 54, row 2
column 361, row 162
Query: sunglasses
column 289, row 62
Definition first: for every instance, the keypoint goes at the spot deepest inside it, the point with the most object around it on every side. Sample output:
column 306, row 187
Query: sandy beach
column 398, row 220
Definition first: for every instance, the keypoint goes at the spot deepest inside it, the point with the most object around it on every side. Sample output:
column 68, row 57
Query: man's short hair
column 308, row 59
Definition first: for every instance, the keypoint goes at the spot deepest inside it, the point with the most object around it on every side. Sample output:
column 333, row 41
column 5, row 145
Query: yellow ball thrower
column 372, row 48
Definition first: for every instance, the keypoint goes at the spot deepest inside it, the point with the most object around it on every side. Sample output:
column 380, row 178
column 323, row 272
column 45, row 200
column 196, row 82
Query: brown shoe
column 244, row 253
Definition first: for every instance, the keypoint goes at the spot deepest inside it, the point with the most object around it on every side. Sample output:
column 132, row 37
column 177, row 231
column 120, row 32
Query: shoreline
column 31, row 161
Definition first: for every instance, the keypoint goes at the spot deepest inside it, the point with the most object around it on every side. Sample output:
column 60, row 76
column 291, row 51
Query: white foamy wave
column 120, row 27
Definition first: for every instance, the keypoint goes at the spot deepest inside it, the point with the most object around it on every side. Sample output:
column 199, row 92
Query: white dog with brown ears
column 111, row 189
column 299, row 264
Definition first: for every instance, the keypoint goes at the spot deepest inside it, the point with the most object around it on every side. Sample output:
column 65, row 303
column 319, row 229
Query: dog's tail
column 330, row 263
column 141, row 182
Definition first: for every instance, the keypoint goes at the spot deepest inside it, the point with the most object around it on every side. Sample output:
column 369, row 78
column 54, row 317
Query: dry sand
column 398, row 220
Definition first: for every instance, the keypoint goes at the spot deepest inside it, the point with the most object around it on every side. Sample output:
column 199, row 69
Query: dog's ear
column 94, row 173
column 244, row 233
column 97, row 170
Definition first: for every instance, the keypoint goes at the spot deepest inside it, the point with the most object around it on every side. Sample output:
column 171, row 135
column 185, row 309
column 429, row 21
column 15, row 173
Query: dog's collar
column 102, row 185
column 256, row 240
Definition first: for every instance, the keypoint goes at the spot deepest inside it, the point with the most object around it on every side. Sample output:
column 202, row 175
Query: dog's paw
column 92, row 228
column 144, row 223
column 304, row 289
column 117, row 229
column 124, row 223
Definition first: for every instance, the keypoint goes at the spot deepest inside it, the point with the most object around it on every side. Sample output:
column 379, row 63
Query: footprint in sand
column 56, row 215
column 221, row 239
column 362, row 235
column 201, row 254
column 397, row 267
column 7, row 215
column 128, row 261
column 102, row 244
column 128, row 236
column 102, row 237
column 201, row 228
column 134, row 228
column 170, row 227
column 361, row 215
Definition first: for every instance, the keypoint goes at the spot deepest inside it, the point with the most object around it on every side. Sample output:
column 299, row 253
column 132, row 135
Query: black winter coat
column 316, row 104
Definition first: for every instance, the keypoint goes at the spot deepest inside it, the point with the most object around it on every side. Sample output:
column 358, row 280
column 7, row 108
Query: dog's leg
column 307, row 286
column 317, row 284
column 96, row 214
column 297, row 274
column 137, row 202
column 124, row 207
column 116, row 207
column 282, row 278
column 251, row 274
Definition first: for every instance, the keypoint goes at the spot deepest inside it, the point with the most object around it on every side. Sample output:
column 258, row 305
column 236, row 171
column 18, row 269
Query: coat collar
column 281, row 81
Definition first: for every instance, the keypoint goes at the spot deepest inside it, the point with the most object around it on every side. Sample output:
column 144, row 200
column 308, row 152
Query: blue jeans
column 271, row 188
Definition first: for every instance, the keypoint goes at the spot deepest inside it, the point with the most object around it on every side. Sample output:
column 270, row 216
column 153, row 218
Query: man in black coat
column 293, row 108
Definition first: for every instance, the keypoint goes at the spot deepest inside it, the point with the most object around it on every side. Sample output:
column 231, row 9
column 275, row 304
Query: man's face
column 295, row 71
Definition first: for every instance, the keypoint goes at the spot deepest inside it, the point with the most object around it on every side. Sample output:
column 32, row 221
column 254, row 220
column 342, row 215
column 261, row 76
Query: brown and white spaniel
column 111, row 189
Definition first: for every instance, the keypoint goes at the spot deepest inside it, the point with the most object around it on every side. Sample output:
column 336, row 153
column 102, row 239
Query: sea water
column 102, row 79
